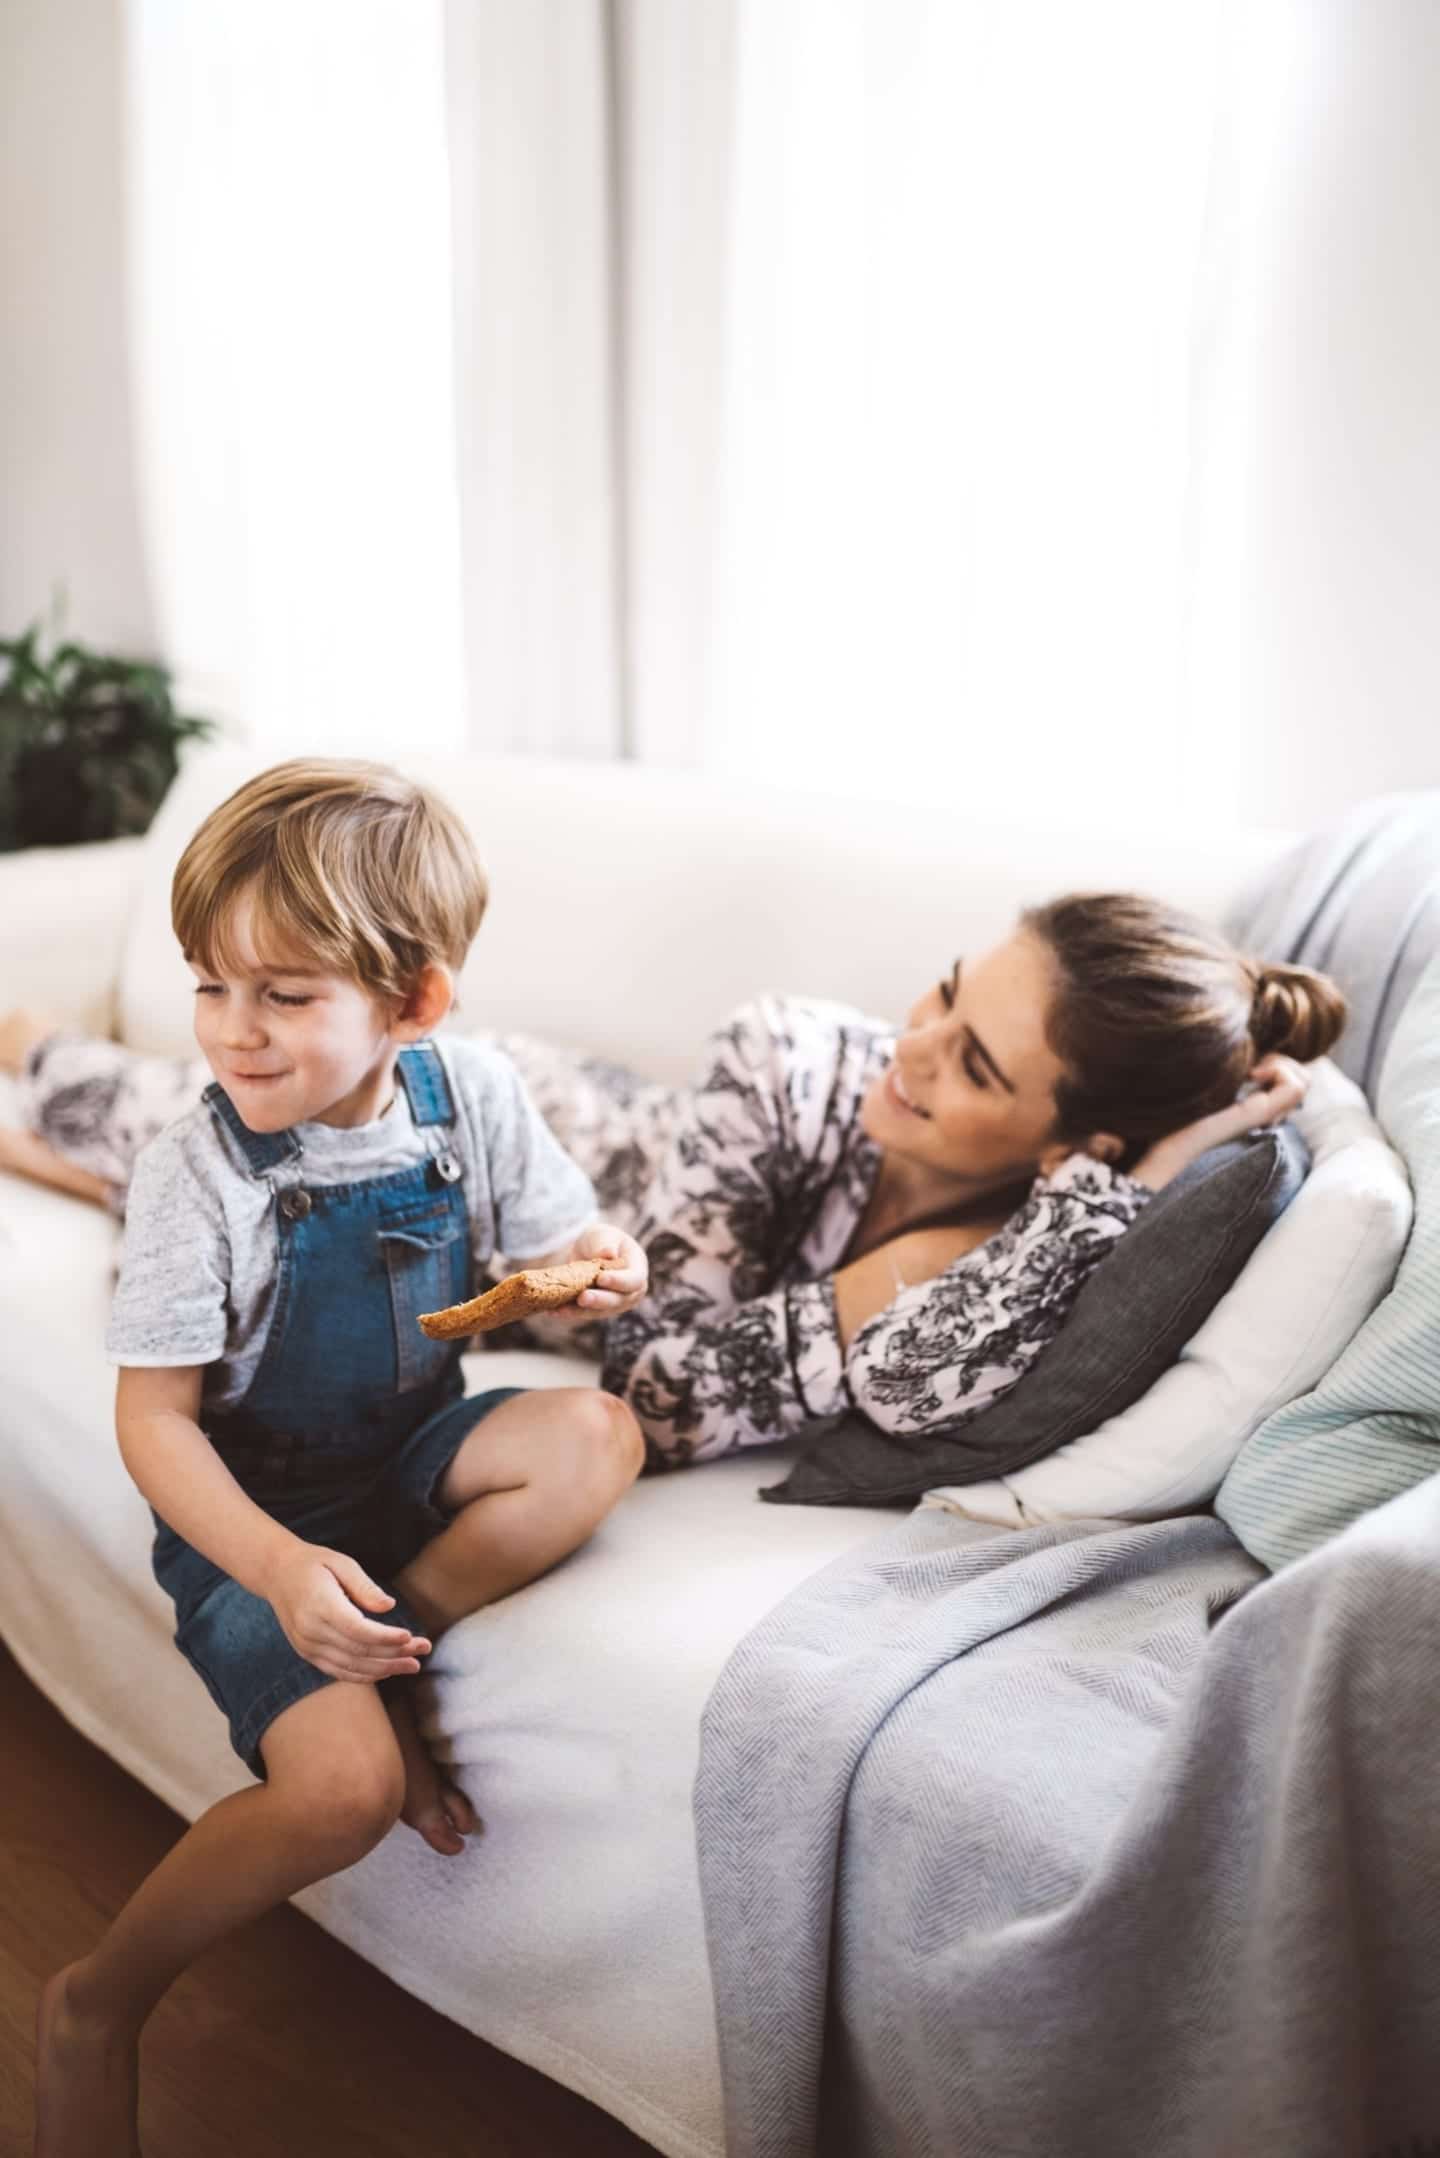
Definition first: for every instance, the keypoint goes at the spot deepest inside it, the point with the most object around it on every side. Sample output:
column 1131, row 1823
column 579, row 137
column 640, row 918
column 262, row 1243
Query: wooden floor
column 279, row 2043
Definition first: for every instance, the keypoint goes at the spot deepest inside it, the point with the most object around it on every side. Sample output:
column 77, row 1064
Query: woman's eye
column 281, row 998
column 973, row 1072
column 947, row 995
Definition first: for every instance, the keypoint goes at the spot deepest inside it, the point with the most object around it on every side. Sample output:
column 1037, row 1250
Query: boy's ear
column 429, row 1000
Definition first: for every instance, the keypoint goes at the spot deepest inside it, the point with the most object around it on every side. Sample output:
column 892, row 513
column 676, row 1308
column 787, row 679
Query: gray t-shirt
column 200, row 1259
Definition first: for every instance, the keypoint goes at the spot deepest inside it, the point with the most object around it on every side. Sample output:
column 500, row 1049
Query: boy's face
column 291, row 1046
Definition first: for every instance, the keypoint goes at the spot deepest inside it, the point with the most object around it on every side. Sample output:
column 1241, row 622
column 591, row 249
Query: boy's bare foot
column 20, row 1029
column 87, row 2082
column 434, row 1807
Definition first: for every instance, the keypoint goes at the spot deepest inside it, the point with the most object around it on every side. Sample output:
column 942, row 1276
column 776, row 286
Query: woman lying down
column 839, row 1214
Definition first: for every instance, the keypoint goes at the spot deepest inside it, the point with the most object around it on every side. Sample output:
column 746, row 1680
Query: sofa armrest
column 64, row 912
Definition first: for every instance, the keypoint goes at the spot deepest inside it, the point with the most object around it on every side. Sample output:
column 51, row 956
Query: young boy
column 326, row 1499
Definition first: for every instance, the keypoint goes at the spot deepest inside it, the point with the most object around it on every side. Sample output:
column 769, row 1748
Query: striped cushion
column 1371, row 1428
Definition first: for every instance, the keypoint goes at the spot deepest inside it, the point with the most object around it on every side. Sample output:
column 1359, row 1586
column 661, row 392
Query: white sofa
column 631, row 909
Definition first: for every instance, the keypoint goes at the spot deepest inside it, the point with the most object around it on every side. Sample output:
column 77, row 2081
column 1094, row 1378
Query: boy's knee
column 618, row 1436
column 349, row 1799
column 360, row 1813
column 604, row 1448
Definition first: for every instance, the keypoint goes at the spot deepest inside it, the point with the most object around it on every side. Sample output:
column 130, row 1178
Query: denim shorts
column 233, row 1638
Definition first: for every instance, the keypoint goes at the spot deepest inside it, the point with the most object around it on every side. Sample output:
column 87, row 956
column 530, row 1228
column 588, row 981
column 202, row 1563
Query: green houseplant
column 89, row 743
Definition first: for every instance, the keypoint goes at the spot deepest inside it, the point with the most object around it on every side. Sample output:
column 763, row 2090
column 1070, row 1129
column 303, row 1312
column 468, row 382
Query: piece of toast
column 537, row 1288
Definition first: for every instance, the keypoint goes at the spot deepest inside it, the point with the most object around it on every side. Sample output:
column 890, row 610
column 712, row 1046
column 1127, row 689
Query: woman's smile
column 896, row 1086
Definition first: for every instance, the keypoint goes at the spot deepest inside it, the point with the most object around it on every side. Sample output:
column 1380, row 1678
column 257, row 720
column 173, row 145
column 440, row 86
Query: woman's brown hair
column 1158, row 1020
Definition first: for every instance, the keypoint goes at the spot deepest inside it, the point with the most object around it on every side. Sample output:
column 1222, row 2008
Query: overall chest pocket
column 428, row 1263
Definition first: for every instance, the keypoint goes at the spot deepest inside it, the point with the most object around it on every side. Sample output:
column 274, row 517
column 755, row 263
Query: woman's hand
column 314, row 1593
column 1280, row 1085
column 620, row 1287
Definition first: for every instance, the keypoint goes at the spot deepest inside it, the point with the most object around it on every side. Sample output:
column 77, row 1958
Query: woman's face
column 971, row 1090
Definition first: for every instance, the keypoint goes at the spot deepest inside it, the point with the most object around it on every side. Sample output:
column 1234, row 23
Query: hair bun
column 1295, row 1012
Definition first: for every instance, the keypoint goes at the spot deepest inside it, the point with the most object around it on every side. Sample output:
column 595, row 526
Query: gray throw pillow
column 1148, row 1296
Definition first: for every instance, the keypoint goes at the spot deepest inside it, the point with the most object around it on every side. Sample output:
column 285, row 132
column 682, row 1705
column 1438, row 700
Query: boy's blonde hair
column 365, row 872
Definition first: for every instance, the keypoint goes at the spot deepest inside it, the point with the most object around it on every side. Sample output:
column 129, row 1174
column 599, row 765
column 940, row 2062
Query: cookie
column 538, row 1288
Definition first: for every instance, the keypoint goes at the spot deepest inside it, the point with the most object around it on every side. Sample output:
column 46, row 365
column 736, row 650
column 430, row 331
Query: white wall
column 67, row 473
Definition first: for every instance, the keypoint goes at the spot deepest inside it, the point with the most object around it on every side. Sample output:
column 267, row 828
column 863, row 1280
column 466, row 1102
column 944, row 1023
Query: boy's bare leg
column 335, row 1788
column 526, row 1488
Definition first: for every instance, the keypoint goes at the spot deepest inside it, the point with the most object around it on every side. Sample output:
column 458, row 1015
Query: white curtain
column 427, row 297
column 1023, row 405
column 675, row 80
column 1082, row 435
column 1312, row 656
column 955, row 464
column 292, row 366
column 530, row 111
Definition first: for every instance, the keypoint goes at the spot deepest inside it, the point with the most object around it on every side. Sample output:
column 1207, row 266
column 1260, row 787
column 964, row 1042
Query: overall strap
column 423, row 1074
column 263, row 1150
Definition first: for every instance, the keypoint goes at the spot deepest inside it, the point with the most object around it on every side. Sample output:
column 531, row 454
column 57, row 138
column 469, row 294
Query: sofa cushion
column 1371, row 1427
column 1304, row 1294
column 1137, row 1310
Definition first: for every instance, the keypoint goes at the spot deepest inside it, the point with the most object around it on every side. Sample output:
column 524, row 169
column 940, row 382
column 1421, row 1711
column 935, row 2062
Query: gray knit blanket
column 1082, row 1841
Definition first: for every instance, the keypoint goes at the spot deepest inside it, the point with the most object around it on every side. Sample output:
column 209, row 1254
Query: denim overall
column 353, row 1414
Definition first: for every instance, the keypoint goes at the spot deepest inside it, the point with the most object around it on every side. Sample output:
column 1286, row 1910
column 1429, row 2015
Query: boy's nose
column 240, row 1033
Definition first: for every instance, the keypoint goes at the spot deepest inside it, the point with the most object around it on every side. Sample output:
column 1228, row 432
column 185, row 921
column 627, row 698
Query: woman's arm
column 930, row 1354
column 716, row 1357
column 1279, row 1084
column 943, row 1349
column 760, row 1371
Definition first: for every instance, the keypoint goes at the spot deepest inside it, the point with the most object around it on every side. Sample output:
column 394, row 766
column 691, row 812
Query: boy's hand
column 314, row 1592
column 620, row 1286
column 1280, row 1085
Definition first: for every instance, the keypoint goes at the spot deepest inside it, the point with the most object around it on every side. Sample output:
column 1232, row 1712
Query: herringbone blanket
column 1076, row 1841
